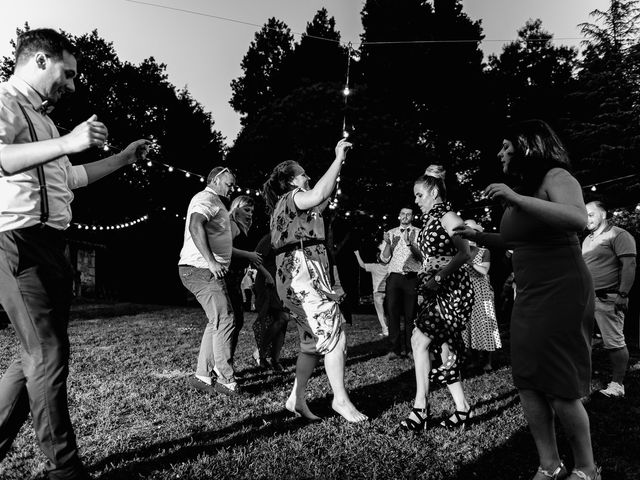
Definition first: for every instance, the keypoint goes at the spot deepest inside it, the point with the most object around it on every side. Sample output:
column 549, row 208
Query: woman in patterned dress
column 446, row 306
column 552, row 318
column 481, row 335
column 302, row 278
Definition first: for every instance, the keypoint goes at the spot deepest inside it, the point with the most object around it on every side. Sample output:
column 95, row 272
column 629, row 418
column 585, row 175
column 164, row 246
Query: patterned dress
column 482, row 330
column 442, row 315
column 302, row 276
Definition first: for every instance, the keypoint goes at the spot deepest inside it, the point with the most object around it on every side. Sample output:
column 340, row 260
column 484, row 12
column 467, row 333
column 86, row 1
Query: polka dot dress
column 442, row 315
column 482, row 331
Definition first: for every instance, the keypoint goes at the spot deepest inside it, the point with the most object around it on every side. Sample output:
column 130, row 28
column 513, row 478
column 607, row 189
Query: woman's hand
column 431, row 285
column 465, row 232
column 500, row 191
column 341, row 150
column 255, row 258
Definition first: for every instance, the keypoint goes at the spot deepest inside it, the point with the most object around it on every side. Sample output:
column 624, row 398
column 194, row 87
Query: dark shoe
column 461, row 420
column 200, row 385
column 411, row 425
column 231, row 389
column 277, row 367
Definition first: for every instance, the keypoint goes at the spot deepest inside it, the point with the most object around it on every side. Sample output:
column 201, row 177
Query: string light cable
column 363, row 43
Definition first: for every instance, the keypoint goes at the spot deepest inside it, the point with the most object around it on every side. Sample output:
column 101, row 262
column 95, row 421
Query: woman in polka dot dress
column 446, row 307
column 481, row 335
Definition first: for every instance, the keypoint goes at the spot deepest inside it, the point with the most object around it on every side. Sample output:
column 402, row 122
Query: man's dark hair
column 44, row 40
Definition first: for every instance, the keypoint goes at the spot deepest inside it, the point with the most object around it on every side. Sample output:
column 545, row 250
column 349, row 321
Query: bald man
column 610, row 255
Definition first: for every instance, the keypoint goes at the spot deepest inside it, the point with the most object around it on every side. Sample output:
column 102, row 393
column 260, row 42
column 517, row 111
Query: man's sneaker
column 614, row 389
column 232, row 389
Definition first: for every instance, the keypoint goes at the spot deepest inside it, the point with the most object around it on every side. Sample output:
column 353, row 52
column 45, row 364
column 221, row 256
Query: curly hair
column 279, row 183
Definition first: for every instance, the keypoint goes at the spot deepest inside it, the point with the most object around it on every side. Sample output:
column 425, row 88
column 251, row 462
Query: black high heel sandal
column 461, row 420
column 410, row 425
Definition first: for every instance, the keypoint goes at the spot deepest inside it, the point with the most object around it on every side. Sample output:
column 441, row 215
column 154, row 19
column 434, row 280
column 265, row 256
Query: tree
column 262, row 63
column 604, row 129
column 532, row 77
column 137, row 101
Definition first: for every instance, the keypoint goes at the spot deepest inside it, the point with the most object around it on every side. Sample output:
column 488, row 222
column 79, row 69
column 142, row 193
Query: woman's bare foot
column 348, row 411
column 298, row 406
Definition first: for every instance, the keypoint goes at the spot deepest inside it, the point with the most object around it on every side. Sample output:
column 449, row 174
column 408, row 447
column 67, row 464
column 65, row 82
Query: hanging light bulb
column 593, row 189
column 170, row 169
column 346, row 91
column 149, row 163
column 187, row 174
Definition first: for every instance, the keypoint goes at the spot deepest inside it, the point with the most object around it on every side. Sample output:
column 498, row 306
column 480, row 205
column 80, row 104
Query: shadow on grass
column 374, row 400
column 90, row 311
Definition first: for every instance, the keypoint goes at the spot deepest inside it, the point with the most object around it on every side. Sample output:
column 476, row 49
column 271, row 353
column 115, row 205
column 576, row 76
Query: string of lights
column 363, row 43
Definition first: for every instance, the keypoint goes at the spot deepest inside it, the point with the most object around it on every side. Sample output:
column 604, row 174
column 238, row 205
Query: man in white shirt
column 401, row 294
column 204, row 261
column 36, row 182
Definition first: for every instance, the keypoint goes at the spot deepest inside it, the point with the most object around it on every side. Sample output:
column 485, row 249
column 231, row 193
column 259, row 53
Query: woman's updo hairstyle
column 279, row 183
column 434, row 178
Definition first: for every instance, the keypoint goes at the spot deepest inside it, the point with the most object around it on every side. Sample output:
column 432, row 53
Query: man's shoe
column 231, row 389
column 200, row 385
column 614, row 389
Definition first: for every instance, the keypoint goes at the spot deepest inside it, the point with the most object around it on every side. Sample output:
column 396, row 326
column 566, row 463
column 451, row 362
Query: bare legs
column 539, row 412
column 619, row 360
column 422, row 365
column 334, row 366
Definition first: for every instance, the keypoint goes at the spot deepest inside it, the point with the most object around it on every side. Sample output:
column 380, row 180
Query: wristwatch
column 437, row 279
column 623, row 294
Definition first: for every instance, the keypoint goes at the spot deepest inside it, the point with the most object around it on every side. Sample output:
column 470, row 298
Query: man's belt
column 405, row 274
column 603, row 292
column 299, row 245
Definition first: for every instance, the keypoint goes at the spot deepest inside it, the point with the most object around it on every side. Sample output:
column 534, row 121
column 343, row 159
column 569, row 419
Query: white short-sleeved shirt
column 20, row 193
column 218, row 229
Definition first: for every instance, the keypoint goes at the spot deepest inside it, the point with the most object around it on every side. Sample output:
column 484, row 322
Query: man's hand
column 621, row 304
column 136, row 151
column 218, row 270
column 90, row 133
column 409, row 237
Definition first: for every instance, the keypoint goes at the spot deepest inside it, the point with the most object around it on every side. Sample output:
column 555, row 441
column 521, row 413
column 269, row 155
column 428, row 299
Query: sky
column 204, row 53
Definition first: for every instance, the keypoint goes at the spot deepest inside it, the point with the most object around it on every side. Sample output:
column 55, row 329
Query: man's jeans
column 215, row 348
column 35, row 290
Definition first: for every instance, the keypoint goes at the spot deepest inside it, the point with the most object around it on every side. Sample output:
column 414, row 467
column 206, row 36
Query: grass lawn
column 137, row 418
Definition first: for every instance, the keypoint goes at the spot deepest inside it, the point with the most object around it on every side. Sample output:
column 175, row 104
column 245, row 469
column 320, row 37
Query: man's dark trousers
column 35, row 289
column 401, row 298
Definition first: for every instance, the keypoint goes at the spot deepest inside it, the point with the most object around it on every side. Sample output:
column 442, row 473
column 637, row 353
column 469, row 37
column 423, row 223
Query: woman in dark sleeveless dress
column 241, row 216
column 552, row 317
column 446, row 308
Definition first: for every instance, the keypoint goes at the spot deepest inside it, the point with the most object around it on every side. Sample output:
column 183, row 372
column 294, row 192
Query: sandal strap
column 584, row 476
column 553, row 474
